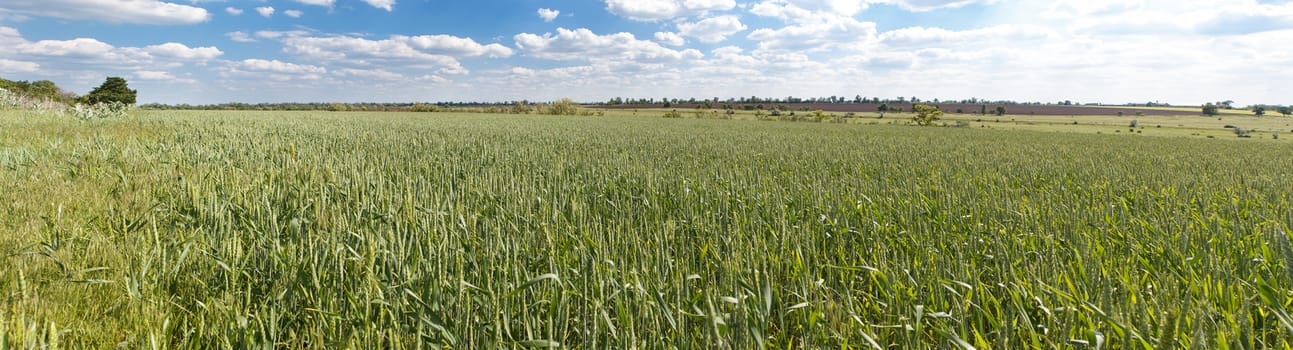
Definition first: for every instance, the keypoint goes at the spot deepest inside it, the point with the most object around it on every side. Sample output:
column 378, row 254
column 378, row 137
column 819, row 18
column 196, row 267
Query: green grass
column 370, row 230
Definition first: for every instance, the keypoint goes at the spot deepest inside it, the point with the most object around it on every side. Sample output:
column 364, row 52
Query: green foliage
column 1259, row 110
column 673, row 114
column 1001, row 110
column 385, row 231
column 563, row 106
column 1210, row 109
column 113, row 89
column 424, row 107
column 925, row 115
column 43, row 90
column 1285, row 110
column 105, row 110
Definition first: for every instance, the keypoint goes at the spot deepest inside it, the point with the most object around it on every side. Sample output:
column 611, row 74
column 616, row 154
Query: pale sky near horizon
column 212, row 51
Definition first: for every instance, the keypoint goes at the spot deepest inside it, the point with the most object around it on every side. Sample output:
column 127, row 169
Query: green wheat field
column 478, row 231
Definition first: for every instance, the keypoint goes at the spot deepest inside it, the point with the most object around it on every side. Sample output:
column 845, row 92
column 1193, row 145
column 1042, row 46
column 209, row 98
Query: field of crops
column 419, row 230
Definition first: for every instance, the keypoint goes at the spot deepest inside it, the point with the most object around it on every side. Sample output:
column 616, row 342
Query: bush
column 99, row 111
column 672, row 114
column 563, row 106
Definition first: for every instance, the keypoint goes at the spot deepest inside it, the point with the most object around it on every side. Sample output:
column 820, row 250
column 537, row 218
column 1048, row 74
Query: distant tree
column 1210, row 109
column 925, row 114
column 1259, row 111
column 983, row 109
column 114, row 89
column 884, row 107
column 1001, row 110
column 1286, row 110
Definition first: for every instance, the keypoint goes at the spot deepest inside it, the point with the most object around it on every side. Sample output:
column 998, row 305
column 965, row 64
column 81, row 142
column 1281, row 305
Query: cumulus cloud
column 183, row 52
column 548, row 15
column 233, row 10
column 712, row 30
column 670, row 38
column 827, row 33
column 11, row 66
column 930, row 5
column 387, row 5
column 655, row 10
column 324, row 3
column 265, row 11
column 241, row 37
column 276, row 66
column 111, row 11
column 83, row 60
column 293, row 13
column 154, row 75
column 415, row 52
column 583, row 44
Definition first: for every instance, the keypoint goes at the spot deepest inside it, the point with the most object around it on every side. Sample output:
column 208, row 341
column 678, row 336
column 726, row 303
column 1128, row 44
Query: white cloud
column 439, row 52
column 655, row 10
column 11, row 66
column 110, row 11
column 930, row 5
column 827, row 33
column 241, row 37
column 377, row 74
column 670, row 38
column 583, row 44
column 79, row 47
column 233, row 10
column 548, row 15
column 293, row 13
column 454, row 46
column 276, row 66
column 712, row 30
column 387, row 5
column 324, row 3
column 265, row 11
column 154, row 75
column 183, row 52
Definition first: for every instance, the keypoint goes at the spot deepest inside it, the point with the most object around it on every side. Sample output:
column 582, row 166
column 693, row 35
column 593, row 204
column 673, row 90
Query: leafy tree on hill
column 114, row 89
column 1286, row 110
column 1259, row 111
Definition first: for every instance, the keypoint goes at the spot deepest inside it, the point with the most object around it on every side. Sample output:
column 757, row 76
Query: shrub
column 672, row 114
column 563, row 106
column 99, row 111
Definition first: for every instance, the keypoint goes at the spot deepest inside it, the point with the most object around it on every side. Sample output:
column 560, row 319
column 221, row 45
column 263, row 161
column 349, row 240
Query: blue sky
column 214, row 51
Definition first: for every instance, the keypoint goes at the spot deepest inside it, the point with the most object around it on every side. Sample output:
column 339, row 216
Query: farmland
column 426, row 230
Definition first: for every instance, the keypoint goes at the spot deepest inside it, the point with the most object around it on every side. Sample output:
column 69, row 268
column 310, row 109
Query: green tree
column 884, row 107
column 114, row 89
column 1259, row 111
column 1001, row 110
column 1286, row 110
column 1210, row 109
column 925, row 114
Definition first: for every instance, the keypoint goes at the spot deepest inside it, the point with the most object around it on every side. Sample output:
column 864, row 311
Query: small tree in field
column 925, row 114
column 1259, row 111
column 1001, row 110
column 1210, row 109
column 1286, row 111
column 114, row 89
